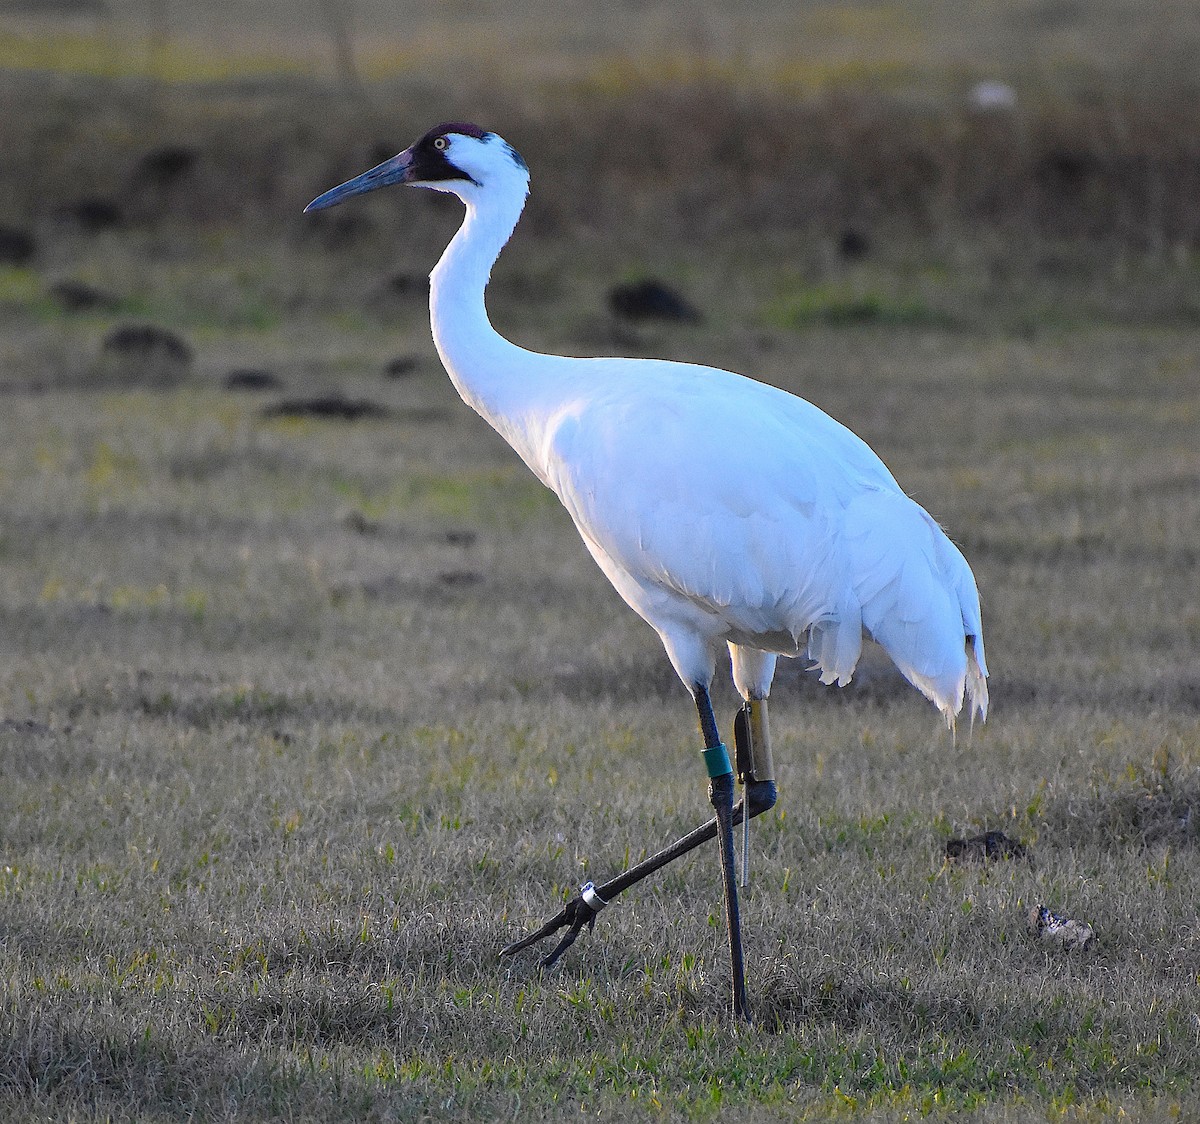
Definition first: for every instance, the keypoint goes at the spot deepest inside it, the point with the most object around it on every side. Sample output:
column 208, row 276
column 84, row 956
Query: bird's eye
column 441, row 144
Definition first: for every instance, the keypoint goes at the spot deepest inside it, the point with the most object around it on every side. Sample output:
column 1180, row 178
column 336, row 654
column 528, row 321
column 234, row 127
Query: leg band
column 755, row 762
column 716, row 760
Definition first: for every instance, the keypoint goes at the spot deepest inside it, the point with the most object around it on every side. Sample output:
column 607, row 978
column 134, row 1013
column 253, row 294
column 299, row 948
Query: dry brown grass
column 305, row 719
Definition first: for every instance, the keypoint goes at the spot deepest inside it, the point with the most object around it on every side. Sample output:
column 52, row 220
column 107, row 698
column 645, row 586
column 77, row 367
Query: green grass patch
column 22, row 293
column 844, row 305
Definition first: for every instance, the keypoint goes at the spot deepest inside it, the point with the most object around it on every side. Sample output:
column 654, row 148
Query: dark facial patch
column 429, row 162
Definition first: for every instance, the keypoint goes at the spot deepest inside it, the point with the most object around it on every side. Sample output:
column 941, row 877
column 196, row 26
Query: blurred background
column 292, row 647
column 806, row 44
column 936, row 162
column 1068, row 118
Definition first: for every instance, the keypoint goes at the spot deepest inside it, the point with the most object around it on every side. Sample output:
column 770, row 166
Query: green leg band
column 716, row 760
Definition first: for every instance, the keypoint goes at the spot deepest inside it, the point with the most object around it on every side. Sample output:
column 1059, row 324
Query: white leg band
column 590, row 898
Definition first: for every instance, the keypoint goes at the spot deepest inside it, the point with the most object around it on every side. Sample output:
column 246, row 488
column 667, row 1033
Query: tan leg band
column 762, row 764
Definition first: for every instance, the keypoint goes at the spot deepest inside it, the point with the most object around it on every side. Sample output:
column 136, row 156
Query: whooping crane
column 724, row 511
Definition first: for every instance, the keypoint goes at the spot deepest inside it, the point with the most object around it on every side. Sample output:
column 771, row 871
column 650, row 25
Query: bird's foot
column 581, row 910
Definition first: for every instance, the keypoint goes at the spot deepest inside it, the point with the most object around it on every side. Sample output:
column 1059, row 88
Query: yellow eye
column 441, row 144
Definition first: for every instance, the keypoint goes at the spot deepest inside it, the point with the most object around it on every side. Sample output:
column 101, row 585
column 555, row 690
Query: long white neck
column 488, row 371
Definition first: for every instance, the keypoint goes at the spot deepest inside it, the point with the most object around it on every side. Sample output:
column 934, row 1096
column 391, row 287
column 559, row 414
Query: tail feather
column 919, row 600
column 976, row 685
column 835, row 645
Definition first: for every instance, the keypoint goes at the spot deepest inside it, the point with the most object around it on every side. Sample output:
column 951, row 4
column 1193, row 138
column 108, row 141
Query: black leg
column 760, row 795
column 720, row 793
column 579, row 912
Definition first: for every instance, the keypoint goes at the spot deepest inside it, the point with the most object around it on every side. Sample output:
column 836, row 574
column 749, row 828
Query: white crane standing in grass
column 724, row 511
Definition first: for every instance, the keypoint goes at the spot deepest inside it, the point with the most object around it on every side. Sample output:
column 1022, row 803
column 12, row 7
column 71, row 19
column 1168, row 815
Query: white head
column 456, row 157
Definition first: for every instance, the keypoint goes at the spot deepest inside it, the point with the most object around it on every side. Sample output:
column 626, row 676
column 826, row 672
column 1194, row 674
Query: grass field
column 303, row 718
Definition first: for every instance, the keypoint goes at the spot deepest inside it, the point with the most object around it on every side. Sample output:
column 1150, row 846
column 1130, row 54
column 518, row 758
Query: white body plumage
column 723, row 510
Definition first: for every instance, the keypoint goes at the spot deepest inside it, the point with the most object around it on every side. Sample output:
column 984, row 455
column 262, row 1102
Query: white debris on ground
column 1061, row 930
column 992, row 96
